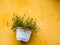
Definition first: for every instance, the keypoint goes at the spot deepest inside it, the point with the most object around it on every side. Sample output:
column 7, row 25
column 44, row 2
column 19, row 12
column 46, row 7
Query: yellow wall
column 47, row 13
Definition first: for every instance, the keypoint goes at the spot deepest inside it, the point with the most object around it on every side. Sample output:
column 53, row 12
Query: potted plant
column 23, row 27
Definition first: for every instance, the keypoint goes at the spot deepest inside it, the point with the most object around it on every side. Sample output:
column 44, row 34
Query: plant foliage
column 19, row 21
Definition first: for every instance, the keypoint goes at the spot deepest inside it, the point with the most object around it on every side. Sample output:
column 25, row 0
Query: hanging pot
column 23, row 34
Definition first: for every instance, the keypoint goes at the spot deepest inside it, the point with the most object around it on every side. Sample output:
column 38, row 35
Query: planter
column 23, row 35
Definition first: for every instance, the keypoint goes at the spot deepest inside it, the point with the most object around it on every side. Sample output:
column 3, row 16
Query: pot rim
column 23, row 28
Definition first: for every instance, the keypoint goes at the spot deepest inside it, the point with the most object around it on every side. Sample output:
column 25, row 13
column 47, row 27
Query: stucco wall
column 47, row 13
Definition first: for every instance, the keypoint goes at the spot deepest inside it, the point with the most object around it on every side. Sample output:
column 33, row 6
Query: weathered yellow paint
column 47, row 13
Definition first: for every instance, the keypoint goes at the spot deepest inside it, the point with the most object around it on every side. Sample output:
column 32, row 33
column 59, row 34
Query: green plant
column 31, row 24
column 19, row 21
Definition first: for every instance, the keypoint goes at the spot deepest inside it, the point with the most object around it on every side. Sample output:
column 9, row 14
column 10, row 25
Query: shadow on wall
column 57, row 0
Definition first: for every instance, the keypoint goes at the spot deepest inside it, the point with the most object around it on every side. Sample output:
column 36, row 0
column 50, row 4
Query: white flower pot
column 23, row 35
